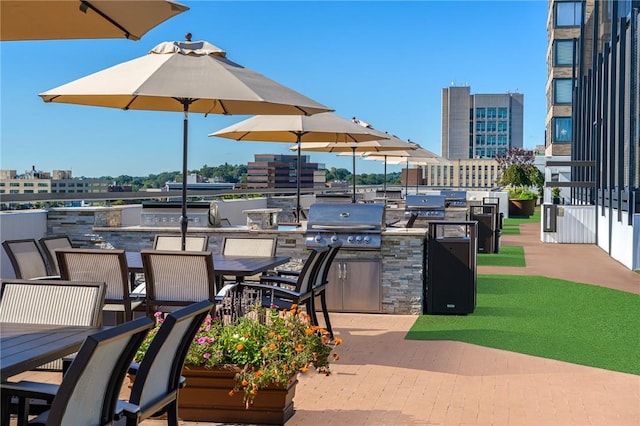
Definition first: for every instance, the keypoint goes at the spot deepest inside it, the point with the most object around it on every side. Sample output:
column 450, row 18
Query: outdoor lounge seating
column 177, row 278
column 174, row 242
column 49, row 246
column 158, row 377
column 26, row 259
column 101, row 265
column 89, row 390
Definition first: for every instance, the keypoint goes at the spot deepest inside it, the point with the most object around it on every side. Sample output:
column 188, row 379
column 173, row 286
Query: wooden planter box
column 521, row 207
column 206, row 398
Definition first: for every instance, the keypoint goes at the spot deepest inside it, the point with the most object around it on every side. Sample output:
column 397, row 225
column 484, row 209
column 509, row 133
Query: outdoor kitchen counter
column 400, row 256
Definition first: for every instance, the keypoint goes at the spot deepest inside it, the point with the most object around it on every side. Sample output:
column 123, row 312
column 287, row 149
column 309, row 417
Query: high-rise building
column 593, row 115
column 482, row 125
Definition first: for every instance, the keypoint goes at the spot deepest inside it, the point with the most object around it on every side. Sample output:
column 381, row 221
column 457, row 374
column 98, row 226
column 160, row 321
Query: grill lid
column 346, row 217
column 424, row 202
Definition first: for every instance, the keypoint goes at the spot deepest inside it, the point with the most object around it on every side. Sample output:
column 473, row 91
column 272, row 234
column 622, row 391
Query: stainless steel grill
column 357, row 226
column 429, row 207
column 455, row 198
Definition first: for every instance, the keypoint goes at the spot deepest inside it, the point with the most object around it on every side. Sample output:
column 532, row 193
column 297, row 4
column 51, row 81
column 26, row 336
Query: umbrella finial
column 188, row 36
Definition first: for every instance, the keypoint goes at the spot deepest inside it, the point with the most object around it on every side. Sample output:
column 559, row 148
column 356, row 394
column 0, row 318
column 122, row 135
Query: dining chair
column 89, row 391
column 158, row 377
column 276, row 294
column 320, row 286
column 26, row 259
column 177, row 278
column 49, row 246
column 174, row 242
column 236, row 246
column 102, row 265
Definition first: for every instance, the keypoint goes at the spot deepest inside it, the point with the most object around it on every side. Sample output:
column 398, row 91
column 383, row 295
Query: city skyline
column 386, row 64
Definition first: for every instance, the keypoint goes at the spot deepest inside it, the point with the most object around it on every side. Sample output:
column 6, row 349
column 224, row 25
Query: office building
column 469, row 174
column 38, row 182
column 482, row 125
column 280, row 171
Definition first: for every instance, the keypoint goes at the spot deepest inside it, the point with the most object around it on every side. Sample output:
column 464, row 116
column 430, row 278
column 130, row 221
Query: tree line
column 238, row 174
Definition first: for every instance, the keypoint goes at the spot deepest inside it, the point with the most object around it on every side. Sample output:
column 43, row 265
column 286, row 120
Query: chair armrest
column 46, row 277
column 33, row 390
column 140, row 292
column 225, row 290
column 287, row 272
column 280, row 291
column 277, row 280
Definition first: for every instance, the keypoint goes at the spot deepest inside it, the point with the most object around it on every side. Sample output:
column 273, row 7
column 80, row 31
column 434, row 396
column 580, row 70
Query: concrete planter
column 521, row 207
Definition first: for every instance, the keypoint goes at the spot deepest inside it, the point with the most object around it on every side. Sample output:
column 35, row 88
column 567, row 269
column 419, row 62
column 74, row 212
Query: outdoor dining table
column 224, row 265
column 24, row 347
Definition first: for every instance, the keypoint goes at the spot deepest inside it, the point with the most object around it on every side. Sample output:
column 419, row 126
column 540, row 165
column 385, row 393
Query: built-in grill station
column 358, row 226
column 355, row 279
column 425, row 207
column 455, row 198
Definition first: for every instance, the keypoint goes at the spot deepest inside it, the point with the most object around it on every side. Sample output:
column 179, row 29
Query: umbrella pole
column 406, row 179
column 184, row 220
column 385, row 177
column 298, row 178
column 353, row 149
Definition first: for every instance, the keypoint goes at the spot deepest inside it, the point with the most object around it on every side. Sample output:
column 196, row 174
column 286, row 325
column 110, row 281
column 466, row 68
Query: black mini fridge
column 450, row 285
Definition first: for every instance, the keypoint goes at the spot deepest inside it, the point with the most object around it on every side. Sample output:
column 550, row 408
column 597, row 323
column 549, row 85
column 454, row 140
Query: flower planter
column 521, row 207
column 206, row 398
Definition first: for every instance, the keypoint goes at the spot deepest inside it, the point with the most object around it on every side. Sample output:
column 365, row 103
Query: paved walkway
column 382, row 379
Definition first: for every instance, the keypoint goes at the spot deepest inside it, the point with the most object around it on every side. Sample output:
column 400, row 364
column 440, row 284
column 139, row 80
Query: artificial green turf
column 513, row 230
column 550, row 318
column 534, row 218
column 508, row 256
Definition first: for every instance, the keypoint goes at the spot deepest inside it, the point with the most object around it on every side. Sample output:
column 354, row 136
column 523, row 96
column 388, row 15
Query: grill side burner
column 430, row 207
column 357, row 226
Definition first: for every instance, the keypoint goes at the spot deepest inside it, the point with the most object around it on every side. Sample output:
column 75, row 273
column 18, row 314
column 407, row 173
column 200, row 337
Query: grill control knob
column 359, row 239
column 350, row 239
column 334, row 238
column 318, row 238
column 367, row 240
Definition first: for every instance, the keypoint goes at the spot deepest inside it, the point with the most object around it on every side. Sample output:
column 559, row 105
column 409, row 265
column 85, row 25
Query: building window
column 480, row 113
column 42, row 185
column 491, row 140
column 28, row 184
column 14, row 184
column 480, row 140
column 491, row 113
column 562, row 91
column 502, row 139
column 503, row 113
column 562, row 53
column 562, row 129
column 502, row 126
column 491, row 126
column 480, row 126
column 568, row 14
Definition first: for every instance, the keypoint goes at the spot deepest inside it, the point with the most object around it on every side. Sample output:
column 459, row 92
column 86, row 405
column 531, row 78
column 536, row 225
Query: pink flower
column 206, row 355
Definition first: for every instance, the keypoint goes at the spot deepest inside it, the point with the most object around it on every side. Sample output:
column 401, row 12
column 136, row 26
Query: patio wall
column 17, row 225
column 574, row 224
column 624, row 245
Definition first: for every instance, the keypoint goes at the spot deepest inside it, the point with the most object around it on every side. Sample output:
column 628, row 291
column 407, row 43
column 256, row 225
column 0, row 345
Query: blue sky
column 384, row 62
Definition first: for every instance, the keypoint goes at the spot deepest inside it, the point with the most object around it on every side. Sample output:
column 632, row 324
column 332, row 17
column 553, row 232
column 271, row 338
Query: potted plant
column 246, row 371
column 555, row 195
column 519, row 175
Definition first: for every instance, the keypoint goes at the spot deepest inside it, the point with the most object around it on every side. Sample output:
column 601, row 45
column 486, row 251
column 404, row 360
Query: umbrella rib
column 84, row 5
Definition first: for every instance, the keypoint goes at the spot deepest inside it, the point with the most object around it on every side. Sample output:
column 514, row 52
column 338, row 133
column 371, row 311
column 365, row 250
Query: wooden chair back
column 26, row 259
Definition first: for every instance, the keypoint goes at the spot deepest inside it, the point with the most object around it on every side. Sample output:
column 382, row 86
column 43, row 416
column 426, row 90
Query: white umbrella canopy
column 323, row 127
column 82, row 19
column 184, row 77
column 381, row 145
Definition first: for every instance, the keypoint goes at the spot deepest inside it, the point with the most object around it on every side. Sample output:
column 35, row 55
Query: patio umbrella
column 82, row 19
column 184, row 77
column 323, row 127
column 379, row 145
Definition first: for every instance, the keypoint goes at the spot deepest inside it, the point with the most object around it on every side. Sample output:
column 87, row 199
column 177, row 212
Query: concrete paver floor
column 382, row 379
